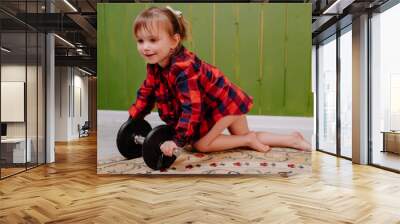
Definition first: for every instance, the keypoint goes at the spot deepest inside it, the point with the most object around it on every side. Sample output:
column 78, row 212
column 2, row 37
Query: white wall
column 33, row 127
column 71, row 94
column 12, row 101
column 80, row 104
column 12, row 73
column 62, row 80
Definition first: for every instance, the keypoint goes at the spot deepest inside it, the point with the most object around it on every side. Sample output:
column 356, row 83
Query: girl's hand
column 167, row 148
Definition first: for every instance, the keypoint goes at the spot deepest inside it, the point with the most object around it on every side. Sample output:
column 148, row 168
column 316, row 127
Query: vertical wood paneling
column 92, row 85
column 202, row 30
column 298, row 44
column 236, row 53
column 102, row 54
column 285, row 53
column 190, row 27
column 259, row 102
column 249, row 50
column 213, row 33
column 224, row 42
column 273, row 77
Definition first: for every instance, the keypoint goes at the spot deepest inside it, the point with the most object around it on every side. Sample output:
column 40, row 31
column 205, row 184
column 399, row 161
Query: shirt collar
column 181, row 54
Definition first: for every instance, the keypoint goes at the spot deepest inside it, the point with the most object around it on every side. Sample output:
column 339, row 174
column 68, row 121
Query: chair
column 84, row 130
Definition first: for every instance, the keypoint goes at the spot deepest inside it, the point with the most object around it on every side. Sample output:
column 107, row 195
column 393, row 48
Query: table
column 16, row 148
column 391, row 141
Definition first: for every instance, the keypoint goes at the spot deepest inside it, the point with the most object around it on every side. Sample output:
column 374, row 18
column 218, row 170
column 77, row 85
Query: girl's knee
column 200, row 147
column 239, row 126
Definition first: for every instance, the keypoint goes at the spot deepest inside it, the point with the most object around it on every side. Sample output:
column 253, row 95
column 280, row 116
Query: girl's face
column 156, row 45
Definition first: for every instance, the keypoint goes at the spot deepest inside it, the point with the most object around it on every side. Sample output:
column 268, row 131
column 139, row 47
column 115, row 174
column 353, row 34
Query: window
column 22, row 76
column 385, row 88
column 346, row 92
column 327, row 95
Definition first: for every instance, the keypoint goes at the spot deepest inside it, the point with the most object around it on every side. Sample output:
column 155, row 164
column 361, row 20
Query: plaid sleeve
column 145, row 99
column 188, row 94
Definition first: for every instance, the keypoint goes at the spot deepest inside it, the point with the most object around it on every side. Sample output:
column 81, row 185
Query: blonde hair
column 173, row 20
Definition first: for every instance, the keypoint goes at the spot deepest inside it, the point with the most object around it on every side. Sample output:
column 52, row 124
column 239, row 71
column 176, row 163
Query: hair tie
column 177, row 13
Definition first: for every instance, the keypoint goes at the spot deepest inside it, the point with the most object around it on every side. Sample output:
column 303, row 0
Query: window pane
column 32, row 86
column 41, row 98
column 346, row 94
column 23, row 87
column 14, row 153
column 31, row 101
column 386, row 89
column 327, row 96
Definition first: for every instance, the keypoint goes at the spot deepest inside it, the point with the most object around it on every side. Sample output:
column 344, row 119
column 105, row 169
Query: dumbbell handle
column 140, row 139
column 177, row 151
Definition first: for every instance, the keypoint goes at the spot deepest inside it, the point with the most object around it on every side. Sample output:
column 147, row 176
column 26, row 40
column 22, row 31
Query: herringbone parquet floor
column 70, row 191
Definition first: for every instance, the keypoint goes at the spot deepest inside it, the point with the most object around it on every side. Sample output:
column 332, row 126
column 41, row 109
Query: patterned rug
column 281, row 161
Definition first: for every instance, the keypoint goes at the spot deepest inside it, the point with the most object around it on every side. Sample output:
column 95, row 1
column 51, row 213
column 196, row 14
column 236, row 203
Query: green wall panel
column 101, row 84
column 263, row 48
column 296, row 45
column 249, row 23
column 272, row 79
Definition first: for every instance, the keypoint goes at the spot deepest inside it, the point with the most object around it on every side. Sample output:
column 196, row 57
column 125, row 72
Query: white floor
column 110, row 121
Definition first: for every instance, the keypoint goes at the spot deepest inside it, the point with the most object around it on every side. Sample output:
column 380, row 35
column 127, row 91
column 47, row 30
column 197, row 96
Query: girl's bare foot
column 296, row 133
column 300, row 143
column 254, row 143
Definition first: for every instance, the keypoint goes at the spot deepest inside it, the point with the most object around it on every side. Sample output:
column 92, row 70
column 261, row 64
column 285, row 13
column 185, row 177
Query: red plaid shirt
column 191, row 96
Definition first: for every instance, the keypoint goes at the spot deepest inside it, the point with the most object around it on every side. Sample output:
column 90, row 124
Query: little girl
column 191, row 95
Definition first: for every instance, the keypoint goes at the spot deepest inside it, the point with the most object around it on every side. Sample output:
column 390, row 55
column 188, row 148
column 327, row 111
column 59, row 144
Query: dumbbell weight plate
column 125, row 137
column 152, row 155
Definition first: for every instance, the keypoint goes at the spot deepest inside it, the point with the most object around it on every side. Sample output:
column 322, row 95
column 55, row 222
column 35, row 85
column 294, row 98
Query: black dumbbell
column 132, row 144
column 126, row 143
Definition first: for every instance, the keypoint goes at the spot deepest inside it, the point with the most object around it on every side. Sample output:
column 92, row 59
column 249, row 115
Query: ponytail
column 172, row 18
column 181, row 27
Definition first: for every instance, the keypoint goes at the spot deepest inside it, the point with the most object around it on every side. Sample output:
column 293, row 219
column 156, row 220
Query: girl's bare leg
column 215, row 141
column 294, row 140
column 241, row 127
